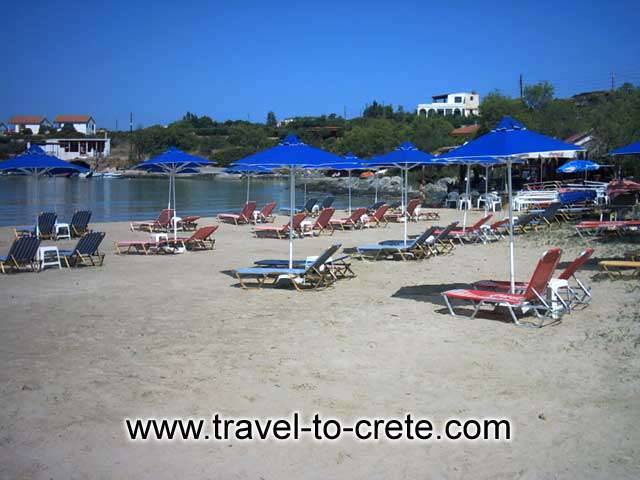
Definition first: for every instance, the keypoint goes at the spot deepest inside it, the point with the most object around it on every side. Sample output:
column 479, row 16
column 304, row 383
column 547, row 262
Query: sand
column 174, row 336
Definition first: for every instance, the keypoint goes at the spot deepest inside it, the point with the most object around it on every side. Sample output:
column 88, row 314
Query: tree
column 538, row 96
column 271, row 120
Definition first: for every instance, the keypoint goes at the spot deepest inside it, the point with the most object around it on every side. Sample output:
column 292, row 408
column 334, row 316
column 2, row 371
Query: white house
column 84, row 124
column 77, row 148
column 464, row 103
column 32, row 122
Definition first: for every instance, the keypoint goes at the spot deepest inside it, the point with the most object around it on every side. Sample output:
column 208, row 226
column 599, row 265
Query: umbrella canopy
column 631, row 149
column 511, row 140
column 291, row 154
column 39, row 164
column 578, row 166
column 33, row 148
column 405, row 157
column 172, row 162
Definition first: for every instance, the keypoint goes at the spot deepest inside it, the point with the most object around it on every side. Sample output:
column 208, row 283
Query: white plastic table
column 49, row 256
column 557, row 305
column 63, row 230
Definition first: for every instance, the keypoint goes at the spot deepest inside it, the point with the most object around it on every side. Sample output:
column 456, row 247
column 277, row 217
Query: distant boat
column 88, row 174
column 107, row 175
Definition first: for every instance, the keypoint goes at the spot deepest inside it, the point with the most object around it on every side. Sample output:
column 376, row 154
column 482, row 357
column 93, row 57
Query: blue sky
column 239, row 59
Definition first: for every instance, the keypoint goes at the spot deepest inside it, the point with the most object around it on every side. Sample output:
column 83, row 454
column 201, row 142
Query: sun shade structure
column 405, row 157
column 38, row 165
column 631, row 149
column 293, row 155
column 173, row 162
column 511, row 141
column 248, row 171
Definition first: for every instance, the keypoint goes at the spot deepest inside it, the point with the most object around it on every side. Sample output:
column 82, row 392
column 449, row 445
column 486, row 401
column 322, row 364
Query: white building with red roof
column 20, row 123
column 84, row 124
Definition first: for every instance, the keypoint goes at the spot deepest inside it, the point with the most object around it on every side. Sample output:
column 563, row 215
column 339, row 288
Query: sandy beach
column 175, row 336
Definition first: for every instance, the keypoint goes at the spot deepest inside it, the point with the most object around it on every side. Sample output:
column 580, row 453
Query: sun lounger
column 376, row 206
column 496, row 230
column 79, row 224
column 162, row 223
column 85, row 252
column 599, row 228
column 323, row 222
column 584, row 297
column 314, row 275
column 413, row 249
column 352, row 221
column 339, row 267
column 200, row 240
column 471, row 233
column 531, row 299
column 46, row 227
column 327, row 203
column 441, row 243
column 547, row 217
column 618, row 269
column 188, row 222
column 283, row 231
column 377, row 218
column 22, row 253
column 410, row 212
column 266, row 214
column 306, row 208
column 245, row 216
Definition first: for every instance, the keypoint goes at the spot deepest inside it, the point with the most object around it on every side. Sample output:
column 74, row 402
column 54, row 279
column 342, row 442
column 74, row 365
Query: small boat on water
column 107, row 175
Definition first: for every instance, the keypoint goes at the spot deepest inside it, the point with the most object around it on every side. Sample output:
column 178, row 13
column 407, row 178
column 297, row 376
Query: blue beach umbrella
column 511, row 141
column 38, row 165
column 247, row 171
column 173, row 162
column 405, row 157
column 631, row 149
column 293, row 155
column 578, row 166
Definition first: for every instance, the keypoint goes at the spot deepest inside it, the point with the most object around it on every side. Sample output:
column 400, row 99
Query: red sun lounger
column 161, row 223
column 283, row 231
column 352, row 221
column 200, row 240
column 245, row 216
column 584, row 297
column 531, row 299
column 322, row 223
column 266, row 214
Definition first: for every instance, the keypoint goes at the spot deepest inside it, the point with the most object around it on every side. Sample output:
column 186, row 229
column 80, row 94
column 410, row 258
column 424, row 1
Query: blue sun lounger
column 313, row 276
column 413, row 248
column 339, row 266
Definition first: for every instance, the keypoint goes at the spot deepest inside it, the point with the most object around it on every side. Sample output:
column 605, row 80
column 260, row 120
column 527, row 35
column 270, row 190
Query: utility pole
column 116, row 124
column 613, row 80
column 131, row 135
column 521, row 87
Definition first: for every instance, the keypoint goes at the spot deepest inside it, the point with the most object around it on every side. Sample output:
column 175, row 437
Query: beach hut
column 511, row 141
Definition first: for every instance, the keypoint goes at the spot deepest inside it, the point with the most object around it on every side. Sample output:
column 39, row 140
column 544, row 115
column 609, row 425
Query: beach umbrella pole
column 175, row 213
column 349, row 186
column 464, row 217
column 376, row 197
column 512, row 273
column 406, row 201
column 248, row 184
column 292, row 200
column 486, row 191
